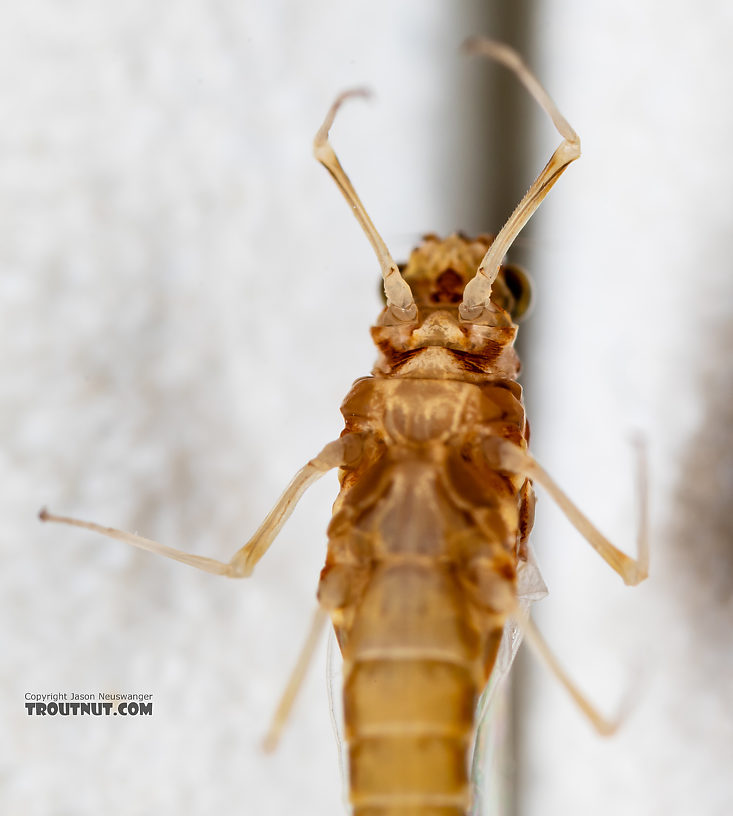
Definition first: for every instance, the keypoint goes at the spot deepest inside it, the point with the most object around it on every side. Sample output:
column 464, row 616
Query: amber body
column 426, row 539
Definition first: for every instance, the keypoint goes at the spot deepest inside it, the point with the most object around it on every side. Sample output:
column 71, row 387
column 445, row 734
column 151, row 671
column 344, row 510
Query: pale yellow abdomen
column 412, row 674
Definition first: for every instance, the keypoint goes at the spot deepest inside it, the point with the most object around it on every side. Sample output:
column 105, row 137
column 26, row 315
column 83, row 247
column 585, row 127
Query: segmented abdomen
column 411, row 682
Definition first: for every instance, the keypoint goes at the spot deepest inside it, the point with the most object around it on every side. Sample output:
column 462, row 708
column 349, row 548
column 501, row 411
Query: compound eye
column 519, row 284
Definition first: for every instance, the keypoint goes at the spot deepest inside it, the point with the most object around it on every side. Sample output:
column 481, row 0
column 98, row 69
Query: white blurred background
column 185, row 301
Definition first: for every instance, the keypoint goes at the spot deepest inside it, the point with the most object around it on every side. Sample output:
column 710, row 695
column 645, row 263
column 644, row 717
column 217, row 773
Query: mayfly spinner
column 428, row 546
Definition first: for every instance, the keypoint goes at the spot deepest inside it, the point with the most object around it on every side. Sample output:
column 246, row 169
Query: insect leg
column 542, row 650
column 285, row 706
column 398, row 293
column 477, row 293
column 342, row 452
column 506, row 456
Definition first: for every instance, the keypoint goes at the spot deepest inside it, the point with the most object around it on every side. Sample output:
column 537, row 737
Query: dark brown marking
column 449, row 287
column 478, row 363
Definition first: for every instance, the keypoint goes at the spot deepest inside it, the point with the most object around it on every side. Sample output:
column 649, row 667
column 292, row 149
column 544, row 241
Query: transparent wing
column 334, row 681
column 492, row 755
column 490, row 759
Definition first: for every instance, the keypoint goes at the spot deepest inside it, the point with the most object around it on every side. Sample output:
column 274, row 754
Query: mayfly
column 428, row 557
